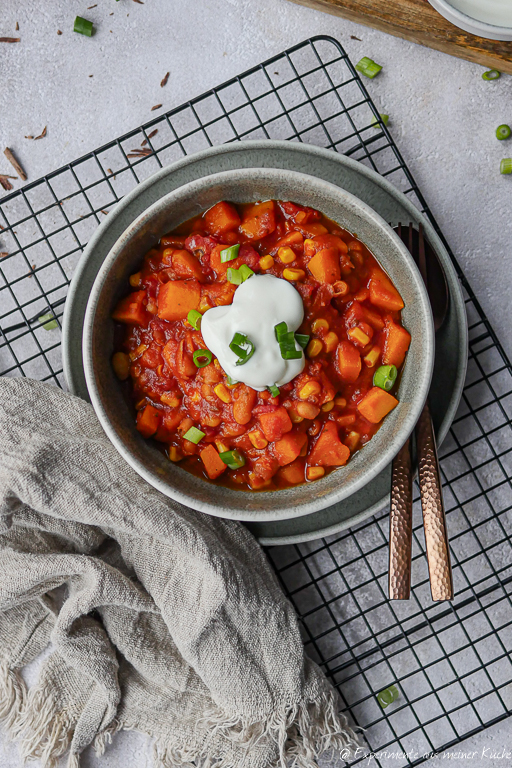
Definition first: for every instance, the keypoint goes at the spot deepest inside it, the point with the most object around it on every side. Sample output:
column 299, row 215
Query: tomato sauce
column 352, row 314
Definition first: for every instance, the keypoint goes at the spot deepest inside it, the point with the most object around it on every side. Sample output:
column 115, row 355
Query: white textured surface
column 443, row 117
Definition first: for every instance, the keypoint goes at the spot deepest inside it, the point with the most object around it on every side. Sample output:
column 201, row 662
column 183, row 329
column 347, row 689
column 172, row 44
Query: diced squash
column 259, row 220
column 325, row 266
column 376, row 404
column 221, row 267
column 212, row 462
column 223, row 217
column 187, row 265
column 275, row 424
column 383, row 293
column 330, row 241
column 148, row 420
column 396, row 344
column 245, row 397
column 349, row 361
column 292, row 238
column 288, row 448
column 328, row 450
column 293, row 473
column 168, row 425
column 131, row 309
column 177, row 297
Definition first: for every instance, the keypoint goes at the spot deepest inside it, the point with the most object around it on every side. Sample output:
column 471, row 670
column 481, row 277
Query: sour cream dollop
column 258, row 306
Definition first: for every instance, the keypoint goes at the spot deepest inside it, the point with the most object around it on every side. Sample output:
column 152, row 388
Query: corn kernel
column 313, row 473
column 295, row 416
column 135, row 280
column 136, row 353
column 195, row 396
column 372, row 357
column 286, row 254
column 358, row 336
column 326, row 407
column 319, row 325
column 340, row 402
column 222, row 393
column 221, row 447
column 352, row 440
column 314, row 348
column 204, row 304
column 294, row 274
column 309, row 389
column 330, row 341
column 121, row 365
column 258, row 439
column 169, row 399
column 309, row 247
column 266, row 262
column 175, row 454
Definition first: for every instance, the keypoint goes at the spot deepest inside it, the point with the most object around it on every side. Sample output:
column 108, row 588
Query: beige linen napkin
column 161, row 618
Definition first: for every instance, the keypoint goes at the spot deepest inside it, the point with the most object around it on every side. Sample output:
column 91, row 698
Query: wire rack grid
column 450, row 663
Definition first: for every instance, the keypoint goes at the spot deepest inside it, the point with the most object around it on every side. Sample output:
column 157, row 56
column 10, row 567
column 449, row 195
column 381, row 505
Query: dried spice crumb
column 165, row 79
column 153, row 133
column 5, row 183
column 140, row 152
column 59, row 32
column 143, row 143
column 17, row 27
column 91, row 75
column 157, row 106
column 92, row 6
column 139, row 2
column 29, row 136
column 17, row 167
column 3, row 254
column 353, row 37
column 105, row 212
column 10, row 39
column 41, row 135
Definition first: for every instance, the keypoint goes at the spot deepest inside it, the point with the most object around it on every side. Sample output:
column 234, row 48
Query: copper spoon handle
column 400, row 525
column 434, row 520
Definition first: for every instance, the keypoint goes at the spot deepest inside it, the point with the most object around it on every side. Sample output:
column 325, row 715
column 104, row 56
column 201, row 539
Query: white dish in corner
column 491, row 19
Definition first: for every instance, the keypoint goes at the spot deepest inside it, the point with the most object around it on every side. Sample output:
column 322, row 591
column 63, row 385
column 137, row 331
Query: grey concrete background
column 443, row 118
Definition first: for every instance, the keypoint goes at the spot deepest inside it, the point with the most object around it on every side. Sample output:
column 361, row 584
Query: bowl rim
column 163, row 485
column 476, row 26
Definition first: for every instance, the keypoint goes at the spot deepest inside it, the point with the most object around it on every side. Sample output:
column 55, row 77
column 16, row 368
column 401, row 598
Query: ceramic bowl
column 117, row 417
column 491, row 19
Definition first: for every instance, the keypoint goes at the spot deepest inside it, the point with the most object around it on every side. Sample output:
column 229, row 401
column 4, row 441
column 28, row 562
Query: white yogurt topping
column 258, row 306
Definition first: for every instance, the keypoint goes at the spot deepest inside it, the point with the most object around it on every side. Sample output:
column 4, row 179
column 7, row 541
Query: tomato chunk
column 275, row 424
column 376, row 404
column 349, row 361
column 131, row 309
column 221, row 218
column 186, row 265
column 396, row 344
column 328, row 450
column 289, row 447
column 212, row 462
column 177, row 297
column 325, row 266
column 148, row 420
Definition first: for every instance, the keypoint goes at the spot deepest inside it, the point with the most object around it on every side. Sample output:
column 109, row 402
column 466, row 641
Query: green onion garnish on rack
column 368, row 67
column 503, row 132
column 506, row 165
column 491, row 74
column 387, row 696
column 83, row 26
column 383, row 119
column 48, row 321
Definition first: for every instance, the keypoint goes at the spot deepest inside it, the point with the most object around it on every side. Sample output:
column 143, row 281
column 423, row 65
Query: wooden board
column 417, row 21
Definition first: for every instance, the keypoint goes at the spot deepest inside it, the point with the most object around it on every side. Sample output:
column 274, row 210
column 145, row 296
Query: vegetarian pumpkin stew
column 261, row 345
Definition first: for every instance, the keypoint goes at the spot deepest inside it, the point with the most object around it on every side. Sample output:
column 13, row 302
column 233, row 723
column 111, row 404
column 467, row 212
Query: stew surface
column 228, row 432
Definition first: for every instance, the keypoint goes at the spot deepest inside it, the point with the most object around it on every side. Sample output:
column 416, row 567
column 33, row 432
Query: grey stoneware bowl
column 117, row 417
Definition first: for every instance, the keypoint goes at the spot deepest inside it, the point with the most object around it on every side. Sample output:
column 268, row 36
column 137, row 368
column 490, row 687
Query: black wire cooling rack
column 449, row 662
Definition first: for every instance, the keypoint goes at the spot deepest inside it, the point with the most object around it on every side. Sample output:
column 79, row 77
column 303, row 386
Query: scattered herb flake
column 92, row 6
column 3, row 254
column 59, row 32
column 29, row 136
column 353, row 37
column 91, row 75
column 5, row 183
column 143, row 143
column 48, row 321
column 157, row 106
column 17, row 167
column 153, row 133
column 17, row 27
column 10, row 39
column 139, row 2
column 83, row 26
column 165, row 79
column 103, row 211
column 41, row 135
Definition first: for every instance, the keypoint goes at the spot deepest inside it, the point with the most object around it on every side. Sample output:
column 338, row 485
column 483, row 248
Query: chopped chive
column 237, row 344
column 491, row 74
column 194, row 435
column 234, row 276
column 506, row 165
column 376, row 121
column 233, row 459
column 48, row 321
column 246, row 272
column 274, row 390
column 302, row 339
column 202, row 357
column 387, row 696
column 83, row 26
column 194, row 318
column 280, row 329
column 228, row 254
column 291, row 354
column 368, row 67
column 503, row 132
column 385, row 377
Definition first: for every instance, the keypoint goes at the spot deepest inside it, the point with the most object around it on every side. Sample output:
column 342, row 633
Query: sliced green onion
column 194, row 318
column 202, row 357
column 302, row 339
column 231, row 381
column 194, row 435
column 280, row 329
column 503, row 132
column 246, row 272
column 291, row 354
column 238, row 342
column 274, row 390
column 83, row 26
column 368, row 67
column 376, row 121
column 388, row 696
column 48, row 321
column 233, row 459
column 491, row 74
column 506, row 165
column 228, row 254
column 234, row 276
column 385, row 377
